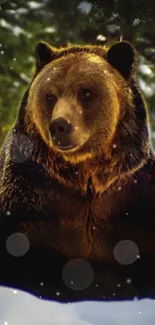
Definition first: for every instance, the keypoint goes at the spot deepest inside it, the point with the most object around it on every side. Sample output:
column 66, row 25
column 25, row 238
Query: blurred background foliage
column 23, row 23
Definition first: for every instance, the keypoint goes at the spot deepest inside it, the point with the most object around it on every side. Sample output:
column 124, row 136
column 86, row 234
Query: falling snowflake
column 135, row 181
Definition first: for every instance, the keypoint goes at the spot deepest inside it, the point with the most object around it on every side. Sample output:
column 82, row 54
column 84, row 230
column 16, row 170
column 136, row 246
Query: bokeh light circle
column 126, row 252
column 17, row 244
column 77, row 274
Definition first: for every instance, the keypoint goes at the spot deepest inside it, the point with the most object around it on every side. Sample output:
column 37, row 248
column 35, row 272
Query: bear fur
column 77, row 198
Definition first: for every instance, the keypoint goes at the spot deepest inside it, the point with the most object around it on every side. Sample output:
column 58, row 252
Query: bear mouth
column 64, row 148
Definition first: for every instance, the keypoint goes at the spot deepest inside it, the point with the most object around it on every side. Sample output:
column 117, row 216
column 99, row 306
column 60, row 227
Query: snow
column 49, row 30
column 22, row 11
column 136, row 22
column 4, row 24
column 112, row 28
column 148, row 90
column 144, row 69
column 101, row 37
column 23, row 308
column 16, row 30
column 35, row 5
column 85, row 7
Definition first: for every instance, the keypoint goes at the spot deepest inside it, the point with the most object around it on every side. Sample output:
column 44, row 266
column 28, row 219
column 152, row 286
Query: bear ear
column 44, row 54
column 122, row 57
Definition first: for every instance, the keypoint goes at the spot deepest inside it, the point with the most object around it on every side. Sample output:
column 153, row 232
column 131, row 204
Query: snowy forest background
column 23, row 23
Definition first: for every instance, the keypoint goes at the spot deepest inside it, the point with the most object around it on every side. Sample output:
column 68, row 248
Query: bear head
column 85, row 106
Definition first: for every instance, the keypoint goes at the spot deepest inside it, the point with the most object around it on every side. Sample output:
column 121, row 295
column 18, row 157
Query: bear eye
column 85, row 94
column 51, row 100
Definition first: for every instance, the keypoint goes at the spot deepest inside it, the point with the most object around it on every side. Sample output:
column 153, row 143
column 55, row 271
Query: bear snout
column 60, row 131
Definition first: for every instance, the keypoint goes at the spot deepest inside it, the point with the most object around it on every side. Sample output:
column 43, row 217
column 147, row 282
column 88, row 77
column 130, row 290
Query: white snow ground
column 19, row 308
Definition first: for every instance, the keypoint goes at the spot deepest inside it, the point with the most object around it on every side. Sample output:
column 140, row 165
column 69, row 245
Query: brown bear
column 77, row 179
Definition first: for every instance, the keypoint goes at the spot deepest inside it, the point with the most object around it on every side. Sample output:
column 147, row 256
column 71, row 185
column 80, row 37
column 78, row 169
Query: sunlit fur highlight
column 110, row 164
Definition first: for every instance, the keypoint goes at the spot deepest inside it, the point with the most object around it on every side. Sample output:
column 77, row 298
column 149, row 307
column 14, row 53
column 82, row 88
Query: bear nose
column 60, row 125
column 60, row 129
